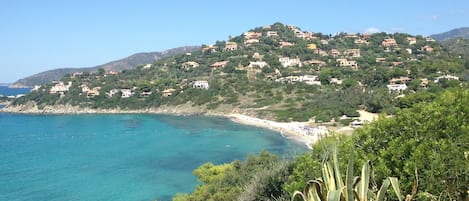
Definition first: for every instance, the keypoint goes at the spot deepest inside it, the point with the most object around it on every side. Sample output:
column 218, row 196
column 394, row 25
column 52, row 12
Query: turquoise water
column 119, row 157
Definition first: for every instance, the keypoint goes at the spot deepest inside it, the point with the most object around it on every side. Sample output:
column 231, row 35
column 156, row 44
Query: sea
column 6, row 91
column 120, row 157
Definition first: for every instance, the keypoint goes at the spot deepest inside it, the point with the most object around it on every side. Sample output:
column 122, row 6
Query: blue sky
column 41, row 35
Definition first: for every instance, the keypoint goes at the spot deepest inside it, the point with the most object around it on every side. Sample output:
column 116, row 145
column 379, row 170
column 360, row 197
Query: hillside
column 455, row 33
column 118, row 65
column 276, row 72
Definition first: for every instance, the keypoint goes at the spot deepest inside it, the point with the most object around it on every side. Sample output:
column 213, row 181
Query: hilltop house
column 360, row 41
column 251, row 41
column 190, row 64
column 230, row 46
column 285, row 44
column 257, row 64
column 396, row 87
column 219, row 64
column 287, row 61
column 147, row 66
column 60, row 88
column 335, row 81
column 200, row 84
column 352, row 52
column 389, row 42
column 272, row 33
column 251, row 35
column 448, row 77
column 210, row 48
column 411, row 40
column 347, row 63
column 125, row 93
column 334, row 53
column 256, row 55
column 168, row 92
column 315, row 62
column 307, row 79
column 90, row 93
column 400, row 80
column 312, row 46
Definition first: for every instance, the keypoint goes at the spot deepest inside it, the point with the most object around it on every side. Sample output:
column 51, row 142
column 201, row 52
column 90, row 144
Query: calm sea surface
column 4, row 90
column 119, row 157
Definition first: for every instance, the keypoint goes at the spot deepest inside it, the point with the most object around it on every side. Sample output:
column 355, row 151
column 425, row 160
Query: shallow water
column 119, row 157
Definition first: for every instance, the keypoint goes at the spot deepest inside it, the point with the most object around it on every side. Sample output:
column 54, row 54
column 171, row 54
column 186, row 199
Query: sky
column 40, row 35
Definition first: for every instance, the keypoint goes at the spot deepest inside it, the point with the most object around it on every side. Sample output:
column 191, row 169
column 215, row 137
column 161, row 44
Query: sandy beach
column 297, row 131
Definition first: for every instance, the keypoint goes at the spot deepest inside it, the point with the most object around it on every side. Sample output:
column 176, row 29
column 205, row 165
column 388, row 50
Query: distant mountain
column 455, row 33
column 123, row 64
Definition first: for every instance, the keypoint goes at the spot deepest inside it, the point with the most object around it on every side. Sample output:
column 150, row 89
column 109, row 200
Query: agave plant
column 332, row 188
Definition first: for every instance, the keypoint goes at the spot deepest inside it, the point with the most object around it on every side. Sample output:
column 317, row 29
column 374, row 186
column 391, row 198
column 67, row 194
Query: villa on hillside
column 352, row 53
column 256, row 55
column 210, row 48
column 380, row 59
column 320, row 52
column 168, row 92
column 360, row 41
column 272, row 33
column 251, row 41
column 396, row 87
column 219, row 64
column 125, row 93
column 200, row 84
column 335, row 81
column 315, row 62
column 285, row 44
column 427, row 48
column 257, row 64
column 447, row 77
column 347, row 63
column 147, row 66
column 312, row 46
column 230, row 46
column 411, row 40
column 389, row 42
column 287, row 61
column 60, row 88
column 90, row 93
column 251, row 35
column 190, row 64
column 400, row 80
column 307, row 79
column 334, row 53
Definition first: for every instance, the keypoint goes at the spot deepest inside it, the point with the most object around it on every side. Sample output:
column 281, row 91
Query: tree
column 431, row 137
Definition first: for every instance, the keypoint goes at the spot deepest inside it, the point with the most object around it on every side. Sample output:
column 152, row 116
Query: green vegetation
column 254, row 78
column 425, row 147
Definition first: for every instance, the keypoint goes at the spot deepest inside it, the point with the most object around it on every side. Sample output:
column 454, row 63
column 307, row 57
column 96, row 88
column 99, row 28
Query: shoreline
column 297, row 131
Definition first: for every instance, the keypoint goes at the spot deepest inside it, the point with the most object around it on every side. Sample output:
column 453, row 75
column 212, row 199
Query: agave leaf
column 338, row 177
column 395, row 186
column 364, row 181
column 382, row 190
column 349, row 177
column 313, row 190
column 328, row 176
column 298, row 194
column 334, row 195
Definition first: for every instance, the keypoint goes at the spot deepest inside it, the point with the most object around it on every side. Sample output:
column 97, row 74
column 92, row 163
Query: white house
column 287, row 61
column 200, row 84
column 257, row 64
column 396, row 87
